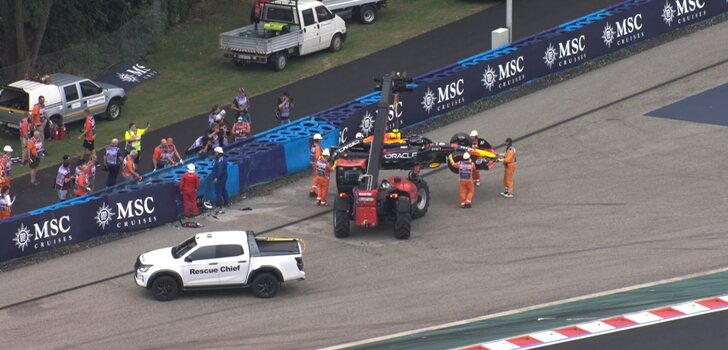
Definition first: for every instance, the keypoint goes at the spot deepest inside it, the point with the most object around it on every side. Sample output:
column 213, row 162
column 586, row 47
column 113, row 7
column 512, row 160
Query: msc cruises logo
column 367, row 123
column 104, row 216
column 428, row 101
column 22, row 237
column 127, row 78
column 668, row 13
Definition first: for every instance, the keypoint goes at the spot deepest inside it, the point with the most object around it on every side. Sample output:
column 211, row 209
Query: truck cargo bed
column 259, row 42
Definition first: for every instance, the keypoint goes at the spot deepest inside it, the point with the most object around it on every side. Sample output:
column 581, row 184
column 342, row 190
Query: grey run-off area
column 608, row 200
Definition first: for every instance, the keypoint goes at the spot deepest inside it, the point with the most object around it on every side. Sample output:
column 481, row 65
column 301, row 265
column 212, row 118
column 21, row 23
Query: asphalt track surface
column 606, row 198
column 705, row 332
column 416, row 56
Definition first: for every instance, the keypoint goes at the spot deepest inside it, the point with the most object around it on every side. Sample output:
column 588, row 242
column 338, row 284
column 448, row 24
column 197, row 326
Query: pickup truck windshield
column 183, row 248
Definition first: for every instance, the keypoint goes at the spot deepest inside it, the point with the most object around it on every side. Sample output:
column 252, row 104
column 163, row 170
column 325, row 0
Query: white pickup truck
column 287, row 28
column 224, row 259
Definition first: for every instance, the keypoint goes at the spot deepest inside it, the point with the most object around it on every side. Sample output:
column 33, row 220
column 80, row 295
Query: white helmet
column 359, row 135
column 474, row 133
column 7, row 149
column 326, row 153
column 466, row 156
column 218, row 149
column 317, row 136
column 190, row 168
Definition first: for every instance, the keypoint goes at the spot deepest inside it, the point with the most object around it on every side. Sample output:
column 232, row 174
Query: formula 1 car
column 419, row 152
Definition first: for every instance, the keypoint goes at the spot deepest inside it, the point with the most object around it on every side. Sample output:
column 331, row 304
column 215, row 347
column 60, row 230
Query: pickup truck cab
column 224, row 259
column 287, row 28
column 66, row 96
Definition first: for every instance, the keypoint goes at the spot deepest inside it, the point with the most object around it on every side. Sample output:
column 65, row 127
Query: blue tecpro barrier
column 207, row 186
column 258, row 162
column 295, row 138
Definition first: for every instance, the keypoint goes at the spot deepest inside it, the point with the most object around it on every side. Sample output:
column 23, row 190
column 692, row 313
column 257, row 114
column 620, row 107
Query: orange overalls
column 321, row 179
column 315, row 152
column 465, row 171
column 4, row 206
column 4, row 171
column 509, row 162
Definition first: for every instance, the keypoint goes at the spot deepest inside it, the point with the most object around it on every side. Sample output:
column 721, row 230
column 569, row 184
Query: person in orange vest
column 26, row 132
column 465, row 171
column 6, row 203
column 88, row 133
column 6, row 166
column 36, row 151
column 128, row 170
column 509, row 162
column 159, row 151
column 321, row 177
column 315, row 154
column 241, row 129
column 188, row 186
column 40, row 116
column 176, row 157
column 82, row 181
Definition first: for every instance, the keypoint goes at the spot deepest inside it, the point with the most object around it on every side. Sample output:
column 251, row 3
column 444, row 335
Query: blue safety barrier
column 258, row 162
column 207, row 186
column 296, row 137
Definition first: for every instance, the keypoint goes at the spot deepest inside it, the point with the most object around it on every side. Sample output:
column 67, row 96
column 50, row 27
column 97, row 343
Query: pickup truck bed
column 249, row 40
column 263, row 246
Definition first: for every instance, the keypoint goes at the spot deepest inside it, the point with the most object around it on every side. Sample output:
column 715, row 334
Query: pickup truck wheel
column 402, row 219
column 280, row 61
column 336, row 43
column 265, row 285
column 368, row 14
column 423, row 200
column 165, row 288
column 113, row 110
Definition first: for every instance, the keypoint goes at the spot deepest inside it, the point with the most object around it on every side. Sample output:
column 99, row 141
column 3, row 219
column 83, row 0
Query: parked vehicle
column 363, row 10
column 227, row 259
column 66, row 97
column 287, row 28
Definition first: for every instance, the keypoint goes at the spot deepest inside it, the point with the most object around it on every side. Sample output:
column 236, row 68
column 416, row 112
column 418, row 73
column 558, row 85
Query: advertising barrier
column 283, row 150
column 496, row 71
column 127, row 210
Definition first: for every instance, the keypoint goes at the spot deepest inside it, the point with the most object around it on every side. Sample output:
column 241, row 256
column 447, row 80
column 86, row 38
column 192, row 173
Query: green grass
column 194, row 75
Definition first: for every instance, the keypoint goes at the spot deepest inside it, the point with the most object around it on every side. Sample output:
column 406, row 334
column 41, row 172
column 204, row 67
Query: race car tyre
column 461, row 139
column 368, row 14
column 336, row 43
column 265, row 285
column 113, row 110
column 402, row 219
column 456, row 157
column 165, row 288
column 342, row 223
column 423, row 199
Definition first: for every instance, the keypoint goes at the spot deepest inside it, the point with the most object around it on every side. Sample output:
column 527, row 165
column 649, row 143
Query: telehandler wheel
column 403, row 218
